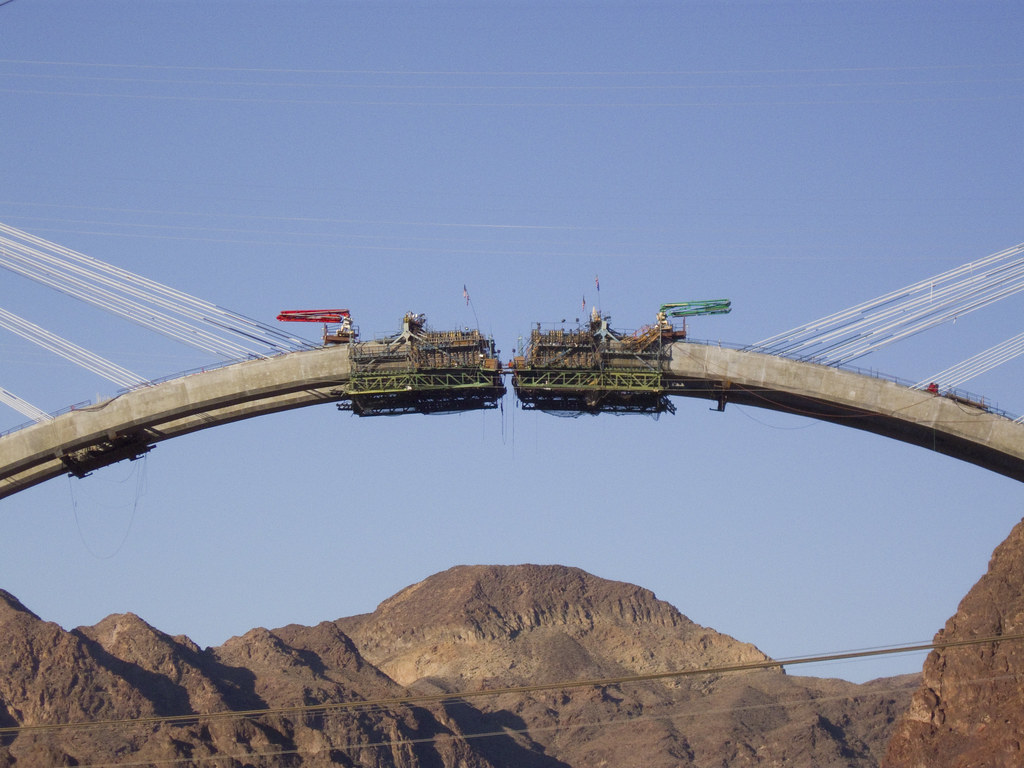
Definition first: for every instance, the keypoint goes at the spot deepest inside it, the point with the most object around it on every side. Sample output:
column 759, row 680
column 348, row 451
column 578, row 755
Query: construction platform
column 593, row 369
column 423, row 371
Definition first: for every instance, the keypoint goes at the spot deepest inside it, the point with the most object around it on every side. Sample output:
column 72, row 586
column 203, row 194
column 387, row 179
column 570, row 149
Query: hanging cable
column 231, row 321
column 26, row 408
column 69, row 350
column 131, row 310
column 974, row 366
column 844, row 336
column 909, row 309
column 911, row 316
column 920, row 315
column 108, row 287
column 839, row 318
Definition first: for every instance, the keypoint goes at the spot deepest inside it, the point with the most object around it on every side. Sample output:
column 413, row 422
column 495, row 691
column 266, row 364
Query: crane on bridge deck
column 338, row 328
column 685, row 309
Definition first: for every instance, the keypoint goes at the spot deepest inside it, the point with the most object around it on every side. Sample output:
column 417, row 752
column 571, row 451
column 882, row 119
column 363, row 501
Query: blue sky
column 796, row 158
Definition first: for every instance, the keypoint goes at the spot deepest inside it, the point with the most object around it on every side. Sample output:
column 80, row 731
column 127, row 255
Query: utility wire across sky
column 400, row 701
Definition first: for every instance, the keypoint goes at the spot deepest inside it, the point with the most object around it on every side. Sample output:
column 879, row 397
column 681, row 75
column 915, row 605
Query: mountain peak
column 505, row 600
column 464, row 627
column 11, row 606
column 470, row 628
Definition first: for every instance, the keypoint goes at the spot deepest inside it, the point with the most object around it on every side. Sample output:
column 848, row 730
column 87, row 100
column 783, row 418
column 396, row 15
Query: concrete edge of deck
column 880, row 406
column 139, row 418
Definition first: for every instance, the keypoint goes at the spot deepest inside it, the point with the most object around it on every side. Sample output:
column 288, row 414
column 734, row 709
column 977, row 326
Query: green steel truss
column 392, row 392
column 641, row 380
column 383, row 382
column 592, row 390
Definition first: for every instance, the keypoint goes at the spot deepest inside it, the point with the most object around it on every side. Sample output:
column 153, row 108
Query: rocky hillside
column 969, row 710
column 489, row 627
column 468, row 629
column 123, row 669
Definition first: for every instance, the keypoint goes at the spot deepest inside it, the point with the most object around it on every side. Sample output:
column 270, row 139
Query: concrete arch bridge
column 130, row 424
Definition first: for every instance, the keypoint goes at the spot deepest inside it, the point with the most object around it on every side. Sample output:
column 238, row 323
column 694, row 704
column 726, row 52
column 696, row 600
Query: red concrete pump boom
column 314, row 315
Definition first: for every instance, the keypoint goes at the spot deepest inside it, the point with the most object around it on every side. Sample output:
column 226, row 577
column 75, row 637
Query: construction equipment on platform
column 685, row 309
column 338, row 328
column 592, row 369
column 691, row 308
column 595, row 369
column 423, row 371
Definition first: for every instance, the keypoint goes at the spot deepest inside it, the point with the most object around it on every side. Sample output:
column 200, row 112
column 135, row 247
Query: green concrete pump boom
column 691, row 308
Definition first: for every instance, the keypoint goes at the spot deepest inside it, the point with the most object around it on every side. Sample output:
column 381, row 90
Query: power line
column 399, row 701
column 457, row 246
column 506, row 731
column 442, row 86
column 634, row 104
column 514, row 73
column 290, row 219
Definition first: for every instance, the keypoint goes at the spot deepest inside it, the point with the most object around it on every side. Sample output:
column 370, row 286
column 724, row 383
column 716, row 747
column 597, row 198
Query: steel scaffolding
column 593, row 369
column 423, row 371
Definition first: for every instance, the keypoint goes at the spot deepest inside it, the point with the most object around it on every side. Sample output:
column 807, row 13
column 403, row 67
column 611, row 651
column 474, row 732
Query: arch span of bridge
column 130, row 424
column 943, row 424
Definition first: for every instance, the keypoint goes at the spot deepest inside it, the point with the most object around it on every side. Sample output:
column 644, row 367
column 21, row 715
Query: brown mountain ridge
column 471, row 628
column 969, row 710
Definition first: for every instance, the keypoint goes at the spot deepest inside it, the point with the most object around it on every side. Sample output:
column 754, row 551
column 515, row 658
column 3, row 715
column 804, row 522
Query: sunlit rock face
column 969, row 710
column 471, row 629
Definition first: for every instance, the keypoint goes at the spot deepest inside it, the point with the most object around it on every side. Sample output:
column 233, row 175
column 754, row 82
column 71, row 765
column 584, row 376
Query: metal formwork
column 423, row 371
column 593, row 369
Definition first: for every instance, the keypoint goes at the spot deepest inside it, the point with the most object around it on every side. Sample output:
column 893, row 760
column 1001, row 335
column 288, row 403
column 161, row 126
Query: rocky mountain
column 476, row 627
column 969, row 710
column 124, row 670
column 372, row 690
